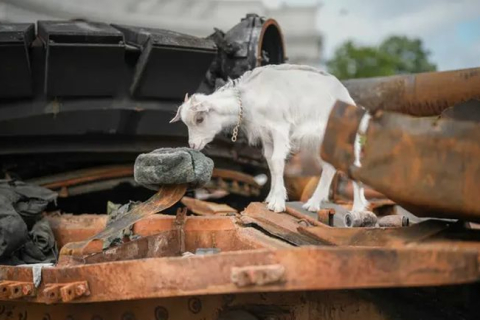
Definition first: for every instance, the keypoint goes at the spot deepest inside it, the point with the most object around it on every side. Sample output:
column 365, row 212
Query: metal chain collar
column 240, row 116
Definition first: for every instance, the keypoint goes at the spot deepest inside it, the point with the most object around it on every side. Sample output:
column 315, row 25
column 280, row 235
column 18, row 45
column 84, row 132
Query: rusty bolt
column 128, row 316
column 4, row 289
column 51, row 293
column 82, row 289
column 228, row 298
column 74, row 290
column 27, row 289
column 194, row 305
column 161, row 313
column 16, row 289
column 326, row 216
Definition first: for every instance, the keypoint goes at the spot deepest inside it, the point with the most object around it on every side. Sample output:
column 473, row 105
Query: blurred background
column 351, row 38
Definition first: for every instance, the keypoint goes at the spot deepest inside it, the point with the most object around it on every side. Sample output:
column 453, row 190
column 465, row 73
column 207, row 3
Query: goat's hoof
column 312, row 206
column 276, row 206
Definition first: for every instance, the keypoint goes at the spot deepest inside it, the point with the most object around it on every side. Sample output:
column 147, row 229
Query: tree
column 395, row 55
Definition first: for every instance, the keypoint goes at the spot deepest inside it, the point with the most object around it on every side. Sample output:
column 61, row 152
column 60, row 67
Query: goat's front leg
column 278, row 192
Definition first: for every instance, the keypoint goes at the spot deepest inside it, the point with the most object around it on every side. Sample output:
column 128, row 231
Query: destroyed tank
column 81, row 100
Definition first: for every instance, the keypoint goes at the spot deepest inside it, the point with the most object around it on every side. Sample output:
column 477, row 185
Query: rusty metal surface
column 442, row 303
column 295, row 225
column 337, row 305
column 163, row 244
column 281, row 225
column 258, row 275
column 374, row 237
column 423, row 94
column 166, row 197
column 73, row 228
column 423, row 165
column 206, row 208
column 248, row 260
column 308, row 268
column 164, row 236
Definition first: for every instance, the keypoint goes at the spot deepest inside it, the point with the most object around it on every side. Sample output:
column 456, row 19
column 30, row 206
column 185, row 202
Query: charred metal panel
column 82, row 58
column 466, row 111
column 428, row 166
column 254, row 42
column 73, row 119
column 170, row 64
column 15, row 69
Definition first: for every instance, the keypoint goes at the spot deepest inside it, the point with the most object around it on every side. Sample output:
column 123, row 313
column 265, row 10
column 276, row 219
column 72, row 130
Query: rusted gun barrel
column 423, row 94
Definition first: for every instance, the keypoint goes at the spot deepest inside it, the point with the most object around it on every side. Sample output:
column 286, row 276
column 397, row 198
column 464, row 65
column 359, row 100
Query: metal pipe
column 423, row 94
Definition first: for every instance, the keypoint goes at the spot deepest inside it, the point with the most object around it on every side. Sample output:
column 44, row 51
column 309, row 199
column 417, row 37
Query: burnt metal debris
column 425, row 165
column 182, row 59
column 93, row 52
column 254, row 42
column 293, row 265
column 124, row 82
column 261, row 258
column 15, row 68
column 166, row 197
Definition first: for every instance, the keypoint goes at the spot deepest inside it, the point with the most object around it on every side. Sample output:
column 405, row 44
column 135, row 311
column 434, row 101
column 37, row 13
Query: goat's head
column 203, row 124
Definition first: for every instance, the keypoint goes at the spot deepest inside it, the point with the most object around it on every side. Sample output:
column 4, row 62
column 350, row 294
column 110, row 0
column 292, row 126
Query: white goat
column 284, row 107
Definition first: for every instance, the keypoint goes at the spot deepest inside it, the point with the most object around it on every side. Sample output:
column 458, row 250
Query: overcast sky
column 450, row 29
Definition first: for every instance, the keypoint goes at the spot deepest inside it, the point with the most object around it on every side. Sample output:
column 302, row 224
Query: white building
column 195, row 17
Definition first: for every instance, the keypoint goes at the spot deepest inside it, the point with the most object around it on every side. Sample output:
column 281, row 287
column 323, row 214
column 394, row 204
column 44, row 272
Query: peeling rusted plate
column 166, row 197
column 163, row 244
column 423, row 94
column 306, row 268
column 282, row 225
column 374, row 237
column 369, row 237
column 427, row 166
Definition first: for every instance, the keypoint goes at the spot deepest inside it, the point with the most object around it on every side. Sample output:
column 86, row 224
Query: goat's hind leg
column 360, row 203
column 267, row 153
column 322, row 191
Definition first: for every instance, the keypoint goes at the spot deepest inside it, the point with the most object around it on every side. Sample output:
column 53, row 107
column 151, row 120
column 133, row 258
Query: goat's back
column 299, row 97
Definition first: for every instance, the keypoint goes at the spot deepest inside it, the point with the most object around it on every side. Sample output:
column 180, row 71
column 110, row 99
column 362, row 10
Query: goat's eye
column 199, row 120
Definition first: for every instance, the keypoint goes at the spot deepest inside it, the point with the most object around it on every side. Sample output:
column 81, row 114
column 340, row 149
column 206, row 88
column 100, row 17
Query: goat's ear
column 177, row 116
column 201, row 107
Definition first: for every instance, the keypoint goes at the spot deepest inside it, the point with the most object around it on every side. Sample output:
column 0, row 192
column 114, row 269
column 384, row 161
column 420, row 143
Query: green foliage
column 395, row 55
